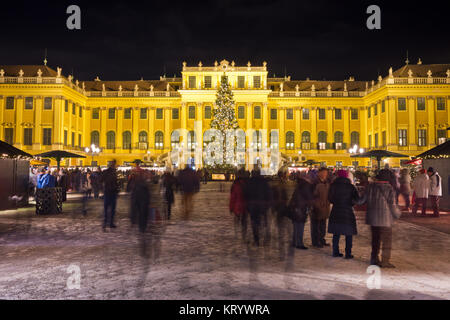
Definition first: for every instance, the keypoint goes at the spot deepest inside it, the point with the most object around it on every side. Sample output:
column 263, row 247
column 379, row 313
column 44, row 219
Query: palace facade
column 407, row 111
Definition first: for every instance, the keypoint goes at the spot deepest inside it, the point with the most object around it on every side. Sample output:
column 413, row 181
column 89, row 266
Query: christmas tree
column 224, row 118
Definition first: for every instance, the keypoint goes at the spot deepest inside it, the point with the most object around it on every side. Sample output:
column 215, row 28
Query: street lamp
column 92, row 150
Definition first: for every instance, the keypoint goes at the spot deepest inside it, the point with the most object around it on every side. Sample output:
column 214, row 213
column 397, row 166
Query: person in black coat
column 343, row 195
column 258, row 198
column 168, row 183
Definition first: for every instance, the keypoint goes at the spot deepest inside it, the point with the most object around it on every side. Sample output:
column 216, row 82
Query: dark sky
column 316, row 39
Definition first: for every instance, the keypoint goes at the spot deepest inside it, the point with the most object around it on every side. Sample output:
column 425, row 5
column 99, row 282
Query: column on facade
column 363, row 133
column 282, row 134
column 183, row 122
column 86, row 134
column 431, row 132
column 265, row 124
column 330, row 129
column 19, row 119
column 77, row 124
column 103, row 130
column 347, row 127
column 314, row 133
column 198, row 127
column 412, row 131
column 58, row 123
column 298, row 133
column 2, row 112
column 119, row 128
column 380, row 128
column 167, row 129
column 37, row 129
column 69, row 128
column 151, row 129
column 392, row 123
column 248, row 132
column 135, row 129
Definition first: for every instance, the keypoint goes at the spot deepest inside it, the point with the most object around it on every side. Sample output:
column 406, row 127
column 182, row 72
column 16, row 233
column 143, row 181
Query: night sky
column 316, row 39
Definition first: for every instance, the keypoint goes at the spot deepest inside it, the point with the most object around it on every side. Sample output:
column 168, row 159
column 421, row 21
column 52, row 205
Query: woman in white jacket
column 421, row 186
column 435, row 190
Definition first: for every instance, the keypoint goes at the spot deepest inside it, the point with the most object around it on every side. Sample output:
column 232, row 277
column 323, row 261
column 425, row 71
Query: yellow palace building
column 407, row 111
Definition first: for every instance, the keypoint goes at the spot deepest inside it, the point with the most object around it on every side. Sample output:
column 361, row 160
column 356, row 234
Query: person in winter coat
column 405, row 186
column 421, row 187
column 381, row 213
column 111, row 190
column 321, row 209
column 279, row 208
column 238, row 205
column 435, row 190
column 299, row 206
column 189, row 183
column 168, row 184
column 138, row 185
column 258, row 199
column 343, row 195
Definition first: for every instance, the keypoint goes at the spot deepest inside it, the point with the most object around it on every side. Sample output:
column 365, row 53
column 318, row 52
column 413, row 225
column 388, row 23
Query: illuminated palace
column 406, row 111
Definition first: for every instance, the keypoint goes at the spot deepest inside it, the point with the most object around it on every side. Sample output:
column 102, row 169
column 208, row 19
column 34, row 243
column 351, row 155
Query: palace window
column 383, row 138
column 354, row 114
column 126, row 140
column 9, row 103
column 402, row 137
column 421, row 103
column 9, row 135
column 241, row 112
column 376, row 140
column 383, row 106
column 111, row 113
column 256, row 82
column 321, row 114
column 28, row 136
column 207, row 112
column 290, row 140
column 175, row 139
column 96, row 113
column 338, row 114
column 175, row 113
column 29, row 103
column 66, row 105
column 422, row 137
column 95, row 138
column 306, row 137
column 257, row 140
column 375, row 109
column 305, row 114
column 368, row 112
column 440, row 103
column 73, row 139
column 47, row 136
column 273, row 114
column 322, row 140
column 111, row 140
column 143, row 113
column 338, row 140
column 241, row 82
column 79, row 140
column 159, row 140
column 257, row 112
column 65, row 137
column 401, row 104
column 191, row 112
column 143, row 140
column 274, row 139
column 127, row 113
column 191, row 141
column 289, row 114
column 192, row 82
column 370, row 141
column 441, row 136
column 80, row 112
column 208, row 82
column 354, row 138
column 74, row 108
column 159, row 113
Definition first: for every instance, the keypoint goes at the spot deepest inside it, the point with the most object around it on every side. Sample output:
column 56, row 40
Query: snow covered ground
column 202, row 259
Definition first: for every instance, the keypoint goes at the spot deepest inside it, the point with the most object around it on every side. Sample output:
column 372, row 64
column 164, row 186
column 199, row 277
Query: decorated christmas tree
column 224, row 118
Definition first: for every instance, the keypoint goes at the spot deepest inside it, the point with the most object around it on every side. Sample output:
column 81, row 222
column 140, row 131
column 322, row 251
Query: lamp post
column 355, row 150
column 92, row 150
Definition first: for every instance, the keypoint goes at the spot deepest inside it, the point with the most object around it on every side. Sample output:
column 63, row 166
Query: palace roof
column 421, row 70
column 143, row 85
column 28, row 70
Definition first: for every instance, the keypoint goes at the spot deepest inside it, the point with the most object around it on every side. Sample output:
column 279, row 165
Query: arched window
column 290, row 140
column 142, row 136
column 126, row 138
column 111, row 140
column 159, row 140
column 338, row 137
column 322, row 140
column 95, row 138
column 257, row 140
column 175, row 139
column 306, row 137
column 354, row 138
column 191, row 141
column 240, row 140
column 274, row 139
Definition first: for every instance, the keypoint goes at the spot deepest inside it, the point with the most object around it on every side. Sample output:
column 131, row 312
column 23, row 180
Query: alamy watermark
column 74, row 280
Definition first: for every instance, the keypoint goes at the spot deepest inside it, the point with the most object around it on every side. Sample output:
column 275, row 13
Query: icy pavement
column 202, row 259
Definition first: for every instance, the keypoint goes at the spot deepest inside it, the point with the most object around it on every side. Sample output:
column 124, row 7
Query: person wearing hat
column 381, row 213
column 421, row 186
column 435, row 190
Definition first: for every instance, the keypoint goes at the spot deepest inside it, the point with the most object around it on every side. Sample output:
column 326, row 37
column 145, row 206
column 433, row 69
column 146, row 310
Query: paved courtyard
column 202, row 258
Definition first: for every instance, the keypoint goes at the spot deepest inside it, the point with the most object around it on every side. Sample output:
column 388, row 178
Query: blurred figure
column 381, row 213
column 96, row 182
column 421, row 186
column 140, row 197
column 168, row 184
column 321, row 209
column 62, row 183
column 405, row 187
column 46, row 179
column 299, row 205
column 238, row 205
column 111, row 190
column 435, row 190
column 189, row 184
column 257, row 195
column 205, row 175
column 86, row 189
column 279, row 208
column 343, row 195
